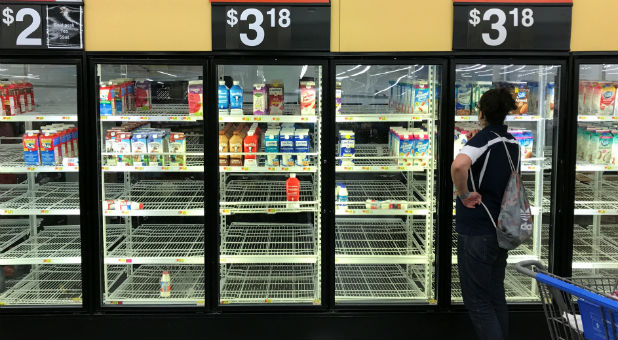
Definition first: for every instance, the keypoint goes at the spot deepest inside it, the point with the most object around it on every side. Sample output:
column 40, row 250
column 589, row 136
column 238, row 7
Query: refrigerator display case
column 151, row 157
column 40, row 229
column 595, row 230
column 536, row 90
column 270, row 140
column 385, row 191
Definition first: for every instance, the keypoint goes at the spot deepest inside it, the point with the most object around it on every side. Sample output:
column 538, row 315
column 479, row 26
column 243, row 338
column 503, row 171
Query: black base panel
column 331, row 326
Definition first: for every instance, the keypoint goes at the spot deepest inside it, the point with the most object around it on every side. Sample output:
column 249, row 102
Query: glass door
column 40, row 241
column 536, row 89
column 385, row 193
column 595, row 239
column 151, row 142
column 269, row 165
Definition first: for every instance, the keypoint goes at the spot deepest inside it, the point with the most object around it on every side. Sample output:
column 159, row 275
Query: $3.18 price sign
column 274, row 28
column 515, row 27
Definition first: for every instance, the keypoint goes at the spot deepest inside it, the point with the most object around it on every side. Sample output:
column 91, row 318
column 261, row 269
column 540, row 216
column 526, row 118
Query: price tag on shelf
column 139, row 168
column 222, row 260
column 225, row 302
column 103, row 117
column 348, row 118
column 77, row 299
column 66, row 118
column 182, row 168
column 602, row 211
column 276, row 119
column 165, row 168
column 366, row 168
column 59, row 168
column 245, row 168
column 182, row 212
column 124, row 118
column 143, row 118
column 366, row 211
column 317, row 302
column 285, row 168
column 31, row 168
column 7, row 118
column 259, row 27
column 187, row 118
column 180, row 260
column 225, row 211
column 173, row 118
column 512, row 25
column 257, row 119
column 47, row 260
column 463, row 117
column 348, row 168
column 385, row 168
column 268, row 300
column 349, row 211
column 44, row 211
column 416, row 118
column 383, row 118
column 39, row 118
column 270, row 168
column 271, row 211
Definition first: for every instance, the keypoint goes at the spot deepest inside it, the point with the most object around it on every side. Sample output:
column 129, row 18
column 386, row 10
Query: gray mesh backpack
column 515, row 219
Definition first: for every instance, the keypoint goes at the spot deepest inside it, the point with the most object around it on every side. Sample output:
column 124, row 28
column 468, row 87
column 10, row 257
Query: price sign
column 41, row 26
column 271, row 28
column 513, row 25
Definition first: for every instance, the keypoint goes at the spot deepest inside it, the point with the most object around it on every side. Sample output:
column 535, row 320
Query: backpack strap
column 508, row 154
column 483, row 204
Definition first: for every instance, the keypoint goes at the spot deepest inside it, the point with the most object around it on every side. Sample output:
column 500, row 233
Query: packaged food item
column 292, row 188
column 106, row 103
column 49, row 146
column 603, row 141
column 196, row 98
column 341, row 192
column 117, row 97
column 139, row 148
column 527, row 144
column 63, row 135
column 307, row 98
column 615, row 147
column 463, row 97
column 236, row 146
column 589, row 138
column 580, row 96
column 236, row 100
column 346, row 147
column 75, row 136
column 223, row 98
column 271, row 144
column 166, row 285
column 421, row 148
column 123, row 148
column 177, row 148
column 338, row 94
column 421, row 97
column 260, row 99
column 521, row 94
column 224, row 146
column 588, row 97
column 276, row 97
column 533, row 97
column 110, row 146
column 550, row 98
column 156, row 148
column 607, row 99
column 131, row 94
column 461, row 139
column 250, row 145
column 301, row 147
column 30, row 141
column 478, row 89
column 143, row 95
column 286, row 146
column 406, row 146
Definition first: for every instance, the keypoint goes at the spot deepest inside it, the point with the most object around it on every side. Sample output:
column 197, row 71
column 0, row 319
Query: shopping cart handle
column 524, row 267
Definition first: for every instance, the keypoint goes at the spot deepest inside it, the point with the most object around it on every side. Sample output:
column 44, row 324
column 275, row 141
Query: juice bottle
column 250, row 145
column 166, row 285
column 224, row 146
column 236, row 99
column 292, row 188
column 223, row 97
column 236, row 146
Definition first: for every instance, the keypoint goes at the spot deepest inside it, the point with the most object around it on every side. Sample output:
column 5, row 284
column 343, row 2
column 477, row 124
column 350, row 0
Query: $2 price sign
column 21, row 26
column 255, row 25
column 529, row 26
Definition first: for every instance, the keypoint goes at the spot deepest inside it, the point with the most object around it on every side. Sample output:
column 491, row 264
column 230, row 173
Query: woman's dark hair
column 496, row 104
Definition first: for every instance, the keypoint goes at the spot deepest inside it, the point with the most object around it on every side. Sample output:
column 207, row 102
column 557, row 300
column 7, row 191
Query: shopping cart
column 575, row 308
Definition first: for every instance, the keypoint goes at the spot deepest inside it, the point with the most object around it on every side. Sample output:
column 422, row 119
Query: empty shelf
column 53, row 244
column 12, row 230
column 46, row 285
column 160, row 244
column 141, row 286
column 268, row 243
column 372, row 240
column 265, row 196
column 377, row 158
column 393, row 191
column 53, row 198
column 379, row 283
column 255, row 283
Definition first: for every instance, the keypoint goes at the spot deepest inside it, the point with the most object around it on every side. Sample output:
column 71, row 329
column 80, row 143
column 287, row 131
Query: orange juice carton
column 607, row 99
column 275, row 97
column 122, row 148
column 156, row 148
column 31, row 147
column 260, row 99
column 421, row 97
column 143, row 95
column 139, row 148
column 196, row 98
column 307, row 98
column 49, row 144
column 177, row 148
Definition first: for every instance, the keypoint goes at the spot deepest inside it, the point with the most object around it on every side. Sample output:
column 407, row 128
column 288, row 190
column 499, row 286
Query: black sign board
column 525, row 26
column 46, row 26
column 271, row 28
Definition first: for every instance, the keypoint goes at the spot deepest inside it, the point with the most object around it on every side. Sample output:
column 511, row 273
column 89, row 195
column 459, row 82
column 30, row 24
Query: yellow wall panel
column 334, row 25
column 147, row 25
column 595, row 25
column 396, row 25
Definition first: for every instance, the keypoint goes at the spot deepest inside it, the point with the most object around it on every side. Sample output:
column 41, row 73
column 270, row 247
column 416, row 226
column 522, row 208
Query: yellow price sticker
column 7, row 118
column 173, row 118
column 304, row 119
column 286, row 169
column 416, row 118
column 348, row 211
column 270, row 168
column 464, row 118
column 227, row 168
column 382, row 118
column 8, row 212
column 39, row 118
column 317, row 302
column 385, row 168
column 31, row 168
column 124, row 118
column 106, row 168
column 182, row 212
column 257, row 119
column 347, row 168
column 47, row 260
column 271, row 211
column 601, row 211
column 165, row 168
column 245, row 168
column 614, row 117
column 76, row 299
column 222, row 260
column 225, row 211
column 139, row 168
column 103, row 117
column 66, row 117
column 44, row 211
column 2, row 303
column 180, row 260
column 268, row 300
column 582, row 118
column 401, row 168
column 186, row 118
column 365, row 211
column 349, row 118
column 276, row 119
column 366, row 168
column 225, row 302
column 220, row 119
column 518, row 118
column 409, row 211
column 125, row 212
column 59, row 168
column 183, row 168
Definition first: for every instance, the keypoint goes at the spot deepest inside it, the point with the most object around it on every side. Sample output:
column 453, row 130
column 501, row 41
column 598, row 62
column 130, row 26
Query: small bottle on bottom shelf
column 166, row 287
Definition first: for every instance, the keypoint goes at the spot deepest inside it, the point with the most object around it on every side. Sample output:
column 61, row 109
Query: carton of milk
column 286, row 146
column 156, row 148
column 603, row 141
column 139, row 141
column 271, row 145
column 177, row 148
column 49, row 145
column 421, row 97
column 31, row 147
column 421, row 148
column 260, row 99
column 122, row 148
column 301, row 147
column 406, row 147
column 615, row 148
column 347, row 141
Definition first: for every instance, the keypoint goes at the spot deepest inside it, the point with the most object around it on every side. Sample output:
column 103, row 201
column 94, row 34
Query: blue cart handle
column 524, row 267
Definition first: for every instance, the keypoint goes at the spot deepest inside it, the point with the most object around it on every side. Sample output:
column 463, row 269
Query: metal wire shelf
column 159, row 198
column 378, row 158
column 264, row 283
column 268, row 243
column 379, row 282
column 12, row 230
column 265, row 196
column 46, row 285
column 12, row 161
column 158, row 113
column 377, row 113
column 53, row 198
column 41, row 116
column 393, row 191
column 160, row 244
column 518, row 287
column 379, row 240
column 141, row 286
column 595, row 252
column 53, row 244
column 291, row 114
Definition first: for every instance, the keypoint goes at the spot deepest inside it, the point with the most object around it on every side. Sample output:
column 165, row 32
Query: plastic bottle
column 250, row 144
column 224, row 97
column 342, row 196
column 166, row 287
column 292, row 188
column 236, row 98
